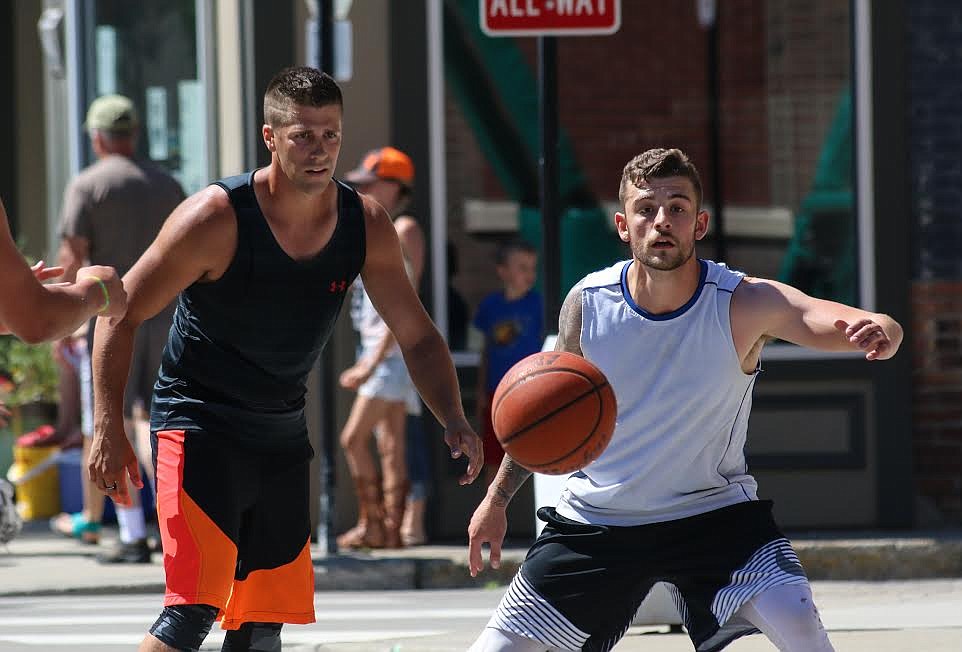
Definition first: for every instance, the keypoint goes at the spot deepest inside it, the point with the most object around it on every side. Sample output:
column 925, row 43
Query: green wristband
column 103, row 289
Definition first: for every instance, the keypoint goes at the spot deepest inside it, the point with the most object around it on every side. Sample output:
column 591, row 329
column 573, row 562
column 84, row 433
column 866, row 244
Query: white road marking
column 101, row 618
column 304, row 638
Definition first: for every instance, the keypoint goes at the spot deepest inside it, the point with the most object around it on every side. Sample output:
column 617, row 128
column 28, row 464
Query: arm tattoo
column 510, row 478
column 569, row 323
column 512, row 475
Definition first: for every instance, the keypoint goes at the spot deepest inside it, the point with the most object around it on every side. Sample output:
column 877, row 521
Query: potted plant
column 28, row 387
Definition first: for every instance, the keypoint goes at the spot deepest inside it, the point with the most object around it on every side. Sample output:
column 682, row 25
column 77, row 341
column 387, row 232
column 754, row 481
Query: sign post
column 548, row 179
column 324, row 53
column 548, row 19
column 708, row 19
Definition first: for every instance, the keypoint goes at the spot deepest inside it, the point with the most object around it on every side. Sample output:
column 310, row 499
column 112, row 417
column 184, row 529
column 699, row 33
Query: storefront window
column 148, row 51
column 785, row 117
column 810, row 159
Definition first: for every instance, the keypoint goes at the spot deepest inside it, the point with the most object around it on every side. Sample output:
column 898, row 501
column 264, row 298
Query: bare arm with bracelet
column 38, row 313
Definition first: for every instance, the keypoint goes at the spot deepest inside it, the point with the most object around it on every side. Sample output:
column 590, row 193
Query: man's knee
column 184, row 626
column 788, row 616
column 799, row 622
column 353, row 436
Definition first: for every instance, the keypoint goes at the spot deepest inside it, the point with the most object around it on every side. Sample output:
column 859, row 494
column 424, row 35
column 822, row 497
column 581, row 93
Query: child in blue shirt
column 511, row 321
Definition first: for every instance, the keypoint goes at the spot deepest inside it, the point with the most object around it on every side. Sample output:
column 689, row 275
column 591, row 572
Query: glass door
column 154, row 52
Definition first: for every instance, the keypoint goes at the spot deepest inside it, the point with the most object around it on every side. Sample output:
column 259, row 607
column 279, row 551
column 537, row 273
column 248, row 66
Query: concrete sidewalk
column 40, row 562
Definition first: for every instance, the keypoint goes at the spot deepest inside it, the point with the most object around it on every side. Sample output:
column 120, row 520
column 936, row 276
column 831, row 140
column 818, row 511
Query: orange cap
column 386, row 163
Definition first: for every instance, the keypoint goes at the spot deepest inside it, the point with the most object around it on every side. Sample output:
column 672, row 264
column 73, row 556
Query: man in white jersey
column 670, row 499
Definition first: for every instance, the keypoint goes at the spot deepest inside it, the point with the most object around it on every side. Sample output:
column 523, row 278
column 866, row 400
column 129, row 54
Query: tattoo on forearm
column 501, row 496
column 510, row 479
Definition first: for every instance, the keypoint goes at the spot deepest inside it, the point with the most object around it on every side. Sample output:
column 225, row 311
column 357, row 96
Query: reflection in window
column 811, row 125
column 148, row 51
column 786, row 135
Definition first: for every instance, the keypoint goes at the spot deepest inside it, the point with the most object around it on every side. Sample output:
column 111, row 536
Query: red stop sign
column 550, row 17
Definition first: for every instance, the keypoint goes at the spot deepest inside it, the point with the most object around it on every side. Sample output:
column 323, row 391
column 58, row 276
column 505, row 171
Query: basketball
column 554, row 412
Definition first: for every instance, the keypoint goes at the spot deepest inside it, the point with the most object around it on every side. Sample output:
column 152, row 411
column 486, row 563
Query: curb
column 406, row 573
column 835, row 559
column 823, row 560
column 881, row 560
column 105, row 590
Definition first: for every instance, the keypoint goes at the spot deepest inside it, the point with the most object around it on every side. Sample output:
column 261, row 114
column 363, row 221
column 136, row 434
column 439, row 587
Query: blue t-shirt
column 512, row 330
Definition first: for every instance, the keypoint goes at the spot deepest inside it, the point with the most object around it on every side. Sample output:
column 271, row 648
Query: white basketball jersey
column 683, row 404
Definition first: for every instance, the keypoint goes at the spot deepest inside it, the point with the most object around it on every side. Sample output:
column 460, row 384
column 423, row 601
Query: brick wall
column 935, row 151
column 808, row 67
column 783, row 65
column 468, row 175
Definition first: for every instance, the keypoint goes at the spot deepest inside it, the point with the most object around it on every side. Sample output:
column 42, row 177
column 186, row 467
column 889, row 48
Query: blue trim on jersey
column 669, row 315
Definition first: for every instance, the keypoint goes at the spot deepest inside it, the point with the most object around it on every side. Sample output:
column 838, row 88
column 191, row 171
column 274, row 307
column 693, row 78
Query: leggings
column 785, row 614
column 788, row 617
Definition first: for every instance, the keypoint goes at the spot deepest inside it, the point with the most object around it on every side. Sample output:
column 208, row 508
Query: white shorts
column 390, row 382
column 77, row 356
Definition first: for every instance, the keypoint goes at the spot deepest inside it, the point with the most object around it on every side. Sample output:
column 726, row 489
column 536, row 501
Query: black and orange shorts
column 236, row 528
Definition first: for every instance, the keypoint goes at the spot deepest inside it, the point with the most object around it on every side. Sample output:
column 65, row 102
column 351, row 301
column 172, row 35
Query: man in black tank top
column 260, row 265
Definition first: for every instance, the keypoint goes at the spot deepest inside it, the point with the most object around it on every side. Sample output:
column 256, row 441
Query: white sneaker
column 10, row 521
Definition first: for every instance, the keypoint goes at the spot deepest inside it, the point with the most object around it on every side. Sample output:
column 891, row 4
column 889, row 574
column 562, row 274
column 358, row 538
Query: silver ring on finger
column 111, row 487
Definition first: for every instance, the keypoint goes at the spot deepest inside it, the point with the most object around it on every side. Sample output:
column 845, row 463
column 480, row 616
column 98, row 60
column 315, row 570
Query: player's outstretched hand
column 462, row 440
column 867, row 335
column 489, row 523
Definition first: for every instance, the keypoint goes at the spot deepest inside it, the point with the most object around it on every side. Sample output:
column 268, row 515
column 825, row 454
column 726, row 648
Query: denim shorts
column 389, row 382
column 77, row 356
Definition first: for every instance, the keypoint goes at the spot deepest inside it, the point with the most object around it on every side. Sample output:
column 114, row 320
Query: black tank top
column 241, row 347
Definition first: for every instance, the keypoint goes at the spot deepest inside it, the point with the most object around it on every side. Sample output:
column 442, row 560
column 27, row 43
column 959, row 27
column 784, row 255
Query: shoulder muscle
column 196, row 243
column 569, row 322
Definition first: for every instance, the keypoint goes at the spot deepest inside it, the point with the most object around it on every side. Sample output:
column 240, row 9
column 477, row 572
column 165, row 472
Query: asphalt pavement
column 883, row 592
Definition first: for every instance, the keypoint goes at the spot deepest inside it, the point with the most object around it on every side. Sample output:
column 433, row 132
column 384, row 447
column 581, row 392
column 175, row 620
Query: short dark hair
column 298, row 86
column 513, row 246
column 658, row 164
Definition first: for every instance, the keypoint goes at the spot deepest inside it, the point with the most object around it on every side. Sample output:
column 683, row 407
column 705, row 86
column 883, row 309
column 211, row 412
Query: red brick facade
column 937, row 399
column 783, row 65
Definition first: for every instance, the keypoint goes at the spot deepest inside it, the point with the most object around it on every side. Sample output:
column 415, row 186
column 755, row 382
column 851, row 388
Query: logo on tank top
column 337, row 286
column 506, row 332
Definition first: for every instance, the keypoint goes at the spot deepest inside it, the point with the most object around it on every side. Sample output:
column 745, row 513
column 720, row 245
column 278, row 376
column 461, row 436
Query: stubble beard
column 299, row 179
column 306, row 183
column 656, row 259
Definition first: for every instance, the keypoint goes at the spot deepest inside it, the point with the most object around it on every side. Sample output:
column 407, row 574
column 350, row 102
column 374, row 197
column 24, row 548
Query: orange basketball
column 554, row 412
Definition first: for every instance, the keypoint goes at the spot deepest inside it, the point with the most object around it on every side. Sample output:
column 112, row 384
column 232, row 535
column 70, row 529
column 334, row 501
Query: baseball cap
column 387, row 163
column 112, row 113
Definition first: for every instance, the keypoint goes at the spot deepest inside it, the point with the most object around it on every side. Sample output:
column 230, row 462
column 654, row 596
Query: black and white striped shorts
column 581, row 585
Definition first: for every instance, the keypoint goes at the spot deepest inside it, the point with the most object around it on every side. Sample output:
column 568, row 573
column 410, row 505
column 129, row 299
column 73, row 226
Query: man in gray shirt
column 112, row 211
